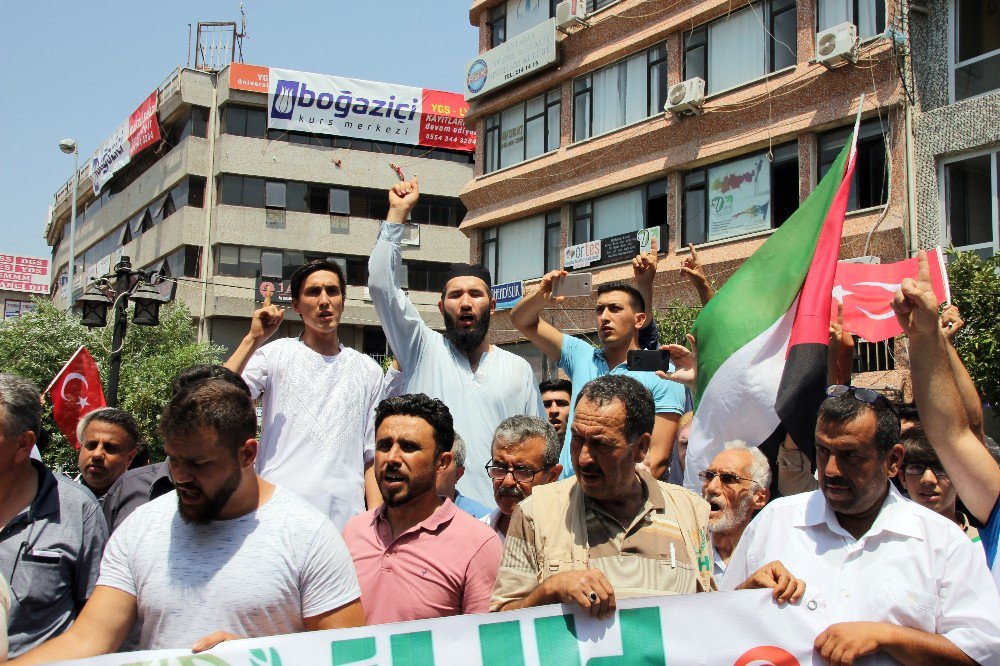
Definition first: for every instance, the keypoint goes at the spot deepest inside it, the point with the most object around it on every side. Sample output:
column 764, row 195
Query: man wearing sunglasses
column 898, row 579
column 525, row 454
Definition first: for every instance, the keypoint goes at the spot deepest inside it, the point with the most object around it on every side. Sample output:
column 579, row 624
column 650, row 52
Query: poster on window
column 739, row 197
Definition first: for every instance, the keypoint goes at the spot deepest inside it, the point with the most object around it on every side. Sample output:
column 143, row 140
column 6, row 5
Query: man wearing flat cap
column 480, row 383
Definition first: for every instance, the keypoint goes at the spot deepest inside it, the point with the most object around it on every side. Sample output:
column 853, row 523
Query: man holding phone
column 622, row 312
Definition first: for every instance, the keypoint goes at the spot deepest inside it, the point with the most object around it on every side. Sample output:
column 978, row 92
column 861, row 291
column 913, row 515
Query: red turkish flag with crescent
column 75, row 392
column 867, row 290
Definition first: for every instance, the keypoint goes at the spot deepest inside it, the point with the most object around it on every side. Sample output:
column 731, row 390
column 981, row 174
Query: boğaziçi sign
column 281, row 290
column 614, row 249
column 508, row 294
column 506, row 63
column 652, row 630
column 27, row 274
column 320, row 104
column 139, row 131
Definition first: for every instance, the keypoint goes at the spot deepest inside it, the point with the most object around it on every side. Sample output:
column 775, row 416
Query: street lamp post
column 69, row 146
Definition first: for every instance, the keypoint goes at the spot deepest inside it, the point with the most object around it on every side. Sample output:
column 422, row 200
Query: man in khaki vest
column 612, row 530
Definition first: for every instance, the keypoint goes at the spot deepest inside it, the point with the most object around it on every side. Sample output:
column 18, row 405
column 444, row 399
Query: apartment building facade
column 222, row 200
column 574, row 147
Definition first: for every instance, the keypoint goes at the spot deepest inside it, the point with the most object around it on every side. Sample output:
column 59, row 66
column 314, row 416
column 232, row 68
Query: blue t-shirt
column 471, row 506
column 582, row 362
column 990, row 535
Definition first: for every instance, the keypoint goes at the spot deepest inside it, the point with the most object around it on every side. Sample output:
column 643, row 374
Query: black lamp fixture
column 93, row 305
column 148, row 300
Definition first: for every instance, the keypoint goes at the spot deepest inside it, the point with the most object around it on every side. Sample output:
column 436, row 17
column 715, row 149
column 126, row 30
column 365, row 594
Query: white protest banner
column 27, row 274
column 110, row 158
column 321, row 104
column 739, row 197
column 738, row 628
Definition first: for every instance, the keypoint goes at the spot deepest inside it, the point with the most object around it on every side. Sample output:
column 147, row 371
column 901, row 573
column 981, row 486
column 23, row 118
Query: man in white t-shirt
column 319, row 398
column 226, row 550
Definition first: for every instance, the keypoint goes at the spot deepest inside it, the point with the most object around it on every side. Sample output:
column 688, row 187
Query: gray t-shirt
column 257, row 575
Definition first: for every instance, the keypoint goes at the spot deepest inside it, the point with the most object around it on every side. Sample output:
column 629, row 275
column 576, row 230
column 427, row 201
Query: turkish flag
column 866, row 291
column 76, row 391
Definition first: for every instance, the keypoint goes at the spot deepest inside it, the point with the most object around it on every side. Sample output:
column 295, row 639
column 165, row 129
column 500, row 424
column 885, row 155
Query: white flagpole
column 59, row 374
column 944, row 276
column 854, row 136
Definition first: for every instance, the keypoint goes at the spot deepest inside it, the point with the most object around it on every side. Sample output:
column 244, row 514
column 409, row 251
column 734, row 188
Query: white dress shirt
column 493, row 519
column 913, row 568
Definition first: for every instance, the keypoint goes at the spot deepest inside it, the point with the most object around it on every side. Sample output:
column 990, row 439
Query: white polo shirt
column 913, row 568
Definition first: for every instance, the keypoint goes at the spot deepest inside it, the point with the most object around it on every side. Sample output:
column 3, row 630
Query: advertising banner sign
column 280, row 290
column 657, row 630
column 27, row 274
column 508, row 294
column 519, row 56
column 739, row 197
column 614, row 249
column 110, row 158
column 248, row 77
column 321, row 104
column 14, row 309
column 143, row 126
column 582, row 255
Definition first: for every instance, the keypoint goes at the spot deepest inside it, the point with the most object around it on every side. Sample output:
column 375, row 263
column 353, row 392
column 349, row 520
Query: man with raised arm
column 317, row 434
column 480, row 383
column 622, row 312
column 943, row 412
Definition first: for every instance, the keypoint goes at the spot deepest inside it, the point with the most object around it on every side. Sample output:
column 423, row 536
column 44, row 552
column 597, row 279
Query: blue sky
column 77, row 69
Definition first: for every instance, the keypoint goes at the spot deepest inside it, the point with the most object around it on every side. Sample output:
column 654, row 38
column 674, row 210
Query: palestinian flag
column 763, row 339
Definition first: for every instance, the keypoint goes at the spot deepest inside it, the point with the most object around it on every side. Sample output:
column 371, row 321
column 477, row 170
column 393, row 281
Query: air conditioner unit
column 570, row 13
column 686, row 96
column 837, row 44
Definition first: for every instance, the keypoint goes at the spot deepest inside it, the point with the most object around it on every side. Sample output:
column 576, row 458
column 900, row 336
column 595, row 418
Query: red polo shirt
column 446, row 565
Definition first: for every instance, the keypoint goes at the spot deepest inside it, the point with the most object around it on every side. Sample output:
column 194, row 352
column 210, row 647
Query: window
column 490, row 252
column 620, row 212
column 976, row 63
column 523, row 131
column 270, row 263
column 242, row 191
column 519, row 249
column 512, row 17
column 873, row 356
column 245, row 121
column 743, row 46
column 185, row 262
column 620, row 94
column 740, row 196
column 870, row 184
column 340, row 201
column 971, row 206
column 868, row 15
column 594, row 5
column 318, row 199
column 274, row 194
column 196, row 191
column 425, row 276
column 498, row 25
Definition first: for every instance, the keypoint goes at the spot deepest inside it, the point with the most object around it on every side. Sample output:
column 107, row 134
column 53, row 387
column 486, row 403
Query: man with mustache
column 109, row 441
column 481, row 383
column 525, row 455
column 319, row 396
column 226, row 550
column 898, row 579
column 419, row 556
column 736, row 485
column 612, row 531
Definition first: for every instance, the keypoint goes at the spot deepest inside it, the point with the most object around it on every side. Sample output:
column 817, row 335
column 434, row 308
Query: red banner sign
column 442, row 121
column 143, row 126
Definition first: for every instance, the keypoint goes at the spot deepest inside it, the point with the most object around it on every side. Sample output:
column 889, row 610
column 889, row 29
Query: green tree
column 675, row 321
column 975, row 289
column 38, row 344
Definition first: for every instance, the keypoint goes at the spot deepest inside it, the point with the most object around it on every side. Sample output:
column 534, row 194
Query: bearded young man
column 226, row 550
column 480, row 383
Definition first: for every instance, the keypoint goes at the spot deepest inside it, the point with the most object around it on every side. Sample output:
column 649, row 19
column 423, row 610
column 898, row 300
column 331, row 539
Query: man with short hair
column 556, row 396
column 181, row 564
column 417, row 555
column 622, row 311
column 736, row 485
column 898, row 579
column 109, row 440
column 480, row 383
column 525, row 454
column 612, row 531
column 51, row 529
column 319, row 397
column 679, row 455
column 450, row 475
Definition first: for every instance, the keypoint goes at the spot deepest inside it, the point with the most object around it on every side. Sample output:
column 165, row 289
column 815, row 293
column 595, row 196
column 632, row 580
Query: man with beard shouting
column 480, row 383
column 226, row 550
column 419, row 556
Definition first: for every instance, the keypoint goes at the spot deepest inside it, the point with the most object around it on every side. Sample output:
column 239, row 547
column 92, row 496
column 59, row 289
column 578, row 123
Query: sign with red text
column 353, row 108
column 27, row 274
column 143, row 126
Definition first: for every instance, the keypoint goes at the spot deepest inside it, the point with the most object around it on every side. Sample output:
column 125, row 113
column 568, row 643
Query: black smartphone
column 644, row 360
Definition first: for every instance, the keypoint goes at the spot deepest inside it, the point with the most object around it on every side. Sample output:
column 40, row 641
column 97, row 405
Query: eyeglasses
column 864, row 395
column 520, row 474
column 727, row 478
column 918, row 469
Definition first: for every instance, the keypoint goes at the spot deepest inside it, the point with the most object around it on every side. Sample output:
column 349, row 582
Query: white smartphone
column 575, row 284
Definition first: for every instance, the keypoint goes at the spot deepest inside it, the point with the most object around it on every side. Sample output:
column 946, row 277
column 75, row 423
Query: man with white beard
column 736, row 485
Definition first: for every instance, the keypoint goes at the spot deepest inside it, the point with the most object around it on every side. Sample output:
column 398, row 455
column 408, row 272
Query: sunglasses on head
column 867, row 396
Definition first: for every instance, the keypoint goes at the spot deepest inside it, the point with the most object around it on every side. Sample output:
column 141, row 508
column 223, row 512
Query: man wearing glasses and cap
column 897, row 578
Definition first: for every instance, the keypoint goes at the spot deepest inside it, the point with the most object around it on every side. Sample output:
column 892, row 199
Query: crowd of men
column 453, row 484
